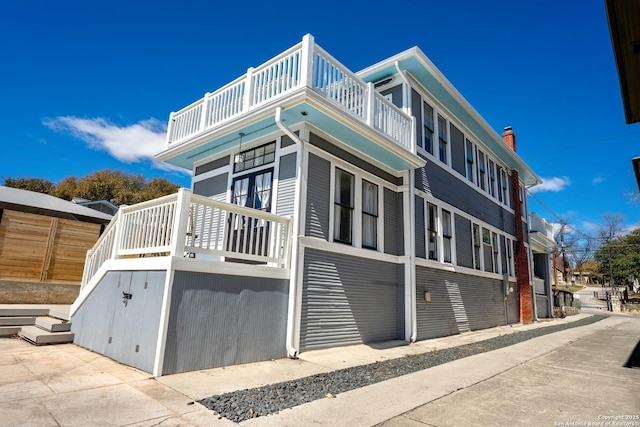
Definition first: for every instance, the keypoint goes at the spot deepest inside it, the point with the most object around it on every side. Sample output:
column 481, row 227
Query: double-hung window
column 369, row 215
column 427, row 120
column 503, row 187
column 476, row 246
column 486, row 246
column 492, row 178
column 343, row 207
column 470, row 167
column 446, row 236
column 510, row 260
column 432, row 230
column 482, row 170
column 494, row 244
column 442, row 139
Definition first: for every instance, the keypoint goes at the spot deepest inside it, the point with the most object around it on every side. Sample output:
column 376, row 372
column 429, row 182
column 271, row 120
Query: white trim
column 420, row 262
column 163, row 326
column 323, row 245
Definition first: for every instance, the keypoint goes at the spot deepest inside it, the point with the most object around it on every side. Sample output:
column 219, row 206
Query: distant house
column 104, row 206
column 327, row 208
column 43, row 240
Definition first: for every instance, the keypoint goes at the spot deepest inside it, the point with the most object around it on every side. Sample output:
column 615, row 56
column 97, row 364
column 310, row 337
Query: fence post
column 371, row 98
column 181, row 221
column 117, row 220
column 170, row 127
column 203, row 112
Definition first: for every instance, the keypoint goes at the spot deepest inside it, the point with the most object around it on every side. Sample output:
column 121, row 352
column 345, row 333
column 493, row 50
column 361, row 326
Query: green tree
column 620, row 257
column 38, row 185
column 114, row 185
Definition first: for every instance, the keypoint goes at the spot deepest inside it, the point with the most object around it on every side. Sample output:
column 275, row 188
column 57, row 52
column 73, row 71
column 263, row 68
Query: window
column 510, row 252
column 253, row 190
column 427, row 120
column 522, row 212
column 259, row 156
column 469, row 149
column 446, row 236
column 443, row 139
column 486, row 242
column 432, row 230
column 343, row 207
column 503, row 187
column 492, row 178
column 494, row 244
column 369, row 215
column 482, row 171
column 476, row 246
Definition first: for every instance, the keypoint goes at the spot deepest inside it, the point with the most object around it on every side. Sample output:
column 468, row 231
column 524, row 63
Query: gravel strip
column 270, row 399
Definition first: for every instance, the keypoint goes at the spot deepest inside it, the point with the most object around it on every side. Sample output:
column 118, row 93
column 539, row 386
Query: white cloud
column 597, row 179
column 129, row 144
column 554, row 184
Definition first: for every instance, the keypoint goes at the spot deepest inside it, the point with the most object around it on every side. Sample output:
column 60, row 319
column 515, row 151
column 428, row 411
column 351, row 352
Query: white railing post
column 181, row 222
column 371, row 100
column 306, row 62
column 118, row 219
column 413, row 143
column 203, row 112
column 248, row 90
column 170, row 127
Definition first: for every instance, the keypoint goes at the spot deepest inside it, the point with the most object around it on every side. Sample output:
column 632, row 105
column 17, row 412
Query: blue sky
column 89, row 85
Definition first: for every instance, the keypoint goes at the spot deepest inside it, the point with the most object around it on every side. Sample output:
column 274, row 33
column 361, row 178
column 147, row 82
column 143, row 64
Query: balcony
column 191, row 226
column 304, row 76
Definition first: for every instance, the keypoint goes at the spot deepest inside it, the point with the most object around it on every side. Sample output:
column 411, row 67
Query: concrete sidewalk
column 65, row 385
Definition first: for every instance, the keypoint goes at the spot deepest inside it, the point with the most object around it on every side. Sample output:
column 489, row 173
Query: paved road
column 587, row 300
column 591, row 380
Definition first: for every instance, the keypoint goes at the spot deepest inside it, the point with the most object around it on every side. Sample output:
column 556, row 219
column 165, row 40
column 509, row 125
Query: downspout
column 412, row 219
column 292, row 351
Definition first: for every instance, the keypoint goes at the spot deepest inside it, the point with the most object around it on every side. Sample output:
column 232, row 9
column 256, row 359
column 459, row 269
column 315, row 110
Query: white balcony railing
column 537, row 224
column 183, row 224
column 305, row 64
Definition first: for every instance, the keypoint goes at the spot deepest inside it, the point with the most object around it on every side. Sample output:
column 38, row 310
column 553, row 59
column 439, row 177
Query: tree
column 38, row 185
column 620, row 257
column 608, row 233
column 115, row 186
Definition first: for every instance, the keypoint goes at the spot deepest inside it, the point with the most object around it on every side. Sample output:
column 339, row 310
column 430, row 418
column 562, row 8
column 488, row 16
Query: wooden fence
column 38, row 248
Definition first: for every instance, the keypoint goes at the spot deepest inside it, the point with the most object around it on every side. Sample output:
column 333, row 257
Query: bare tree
column 608, row 232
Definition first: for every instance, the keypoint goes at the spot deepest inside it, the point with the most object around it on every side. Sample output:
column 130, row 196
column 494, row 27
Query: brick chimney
column 509, row 137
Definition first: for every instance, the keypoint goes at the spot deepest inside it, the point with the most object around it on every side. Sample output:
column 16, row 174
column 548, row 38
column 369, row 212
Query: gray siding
column 126, row 333
column 220, row 320
column 393, row 223
column 459, row 302
column 396, row 95
column 354, row 160
column 215, row 187
column 435, row 180
column 287, row 185
column 420, row 237
column 542, row 306
column 416, row 111
column 458, row 155
column 285, row 141
column 318, row 203
column 350, row 300
column 513, row 308
column 215, row 164
column 464, row 243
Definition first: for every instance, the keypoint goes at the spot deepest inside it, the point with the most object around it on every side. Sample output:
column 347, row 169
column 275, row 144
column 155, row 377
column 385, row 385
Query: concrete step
column 23, row 311
column 63, row 315
column 7, row 331
column 52, row 325
column 17, row 320
column 38, row 336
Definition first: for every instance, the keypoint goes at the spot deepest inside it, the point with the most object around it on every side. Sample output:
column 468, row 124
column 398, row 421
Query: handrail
column 184, row 224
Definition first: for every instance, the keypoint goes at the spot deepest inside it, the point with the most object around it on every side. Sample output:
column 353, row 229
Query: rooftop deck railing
column 541, row 226
column 305, row 64
column 184, row 224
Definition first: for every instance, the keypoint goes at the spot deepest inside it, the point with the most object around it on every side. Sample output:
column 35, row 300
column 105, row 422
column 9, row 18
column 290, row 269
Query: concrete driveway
column 65, row 385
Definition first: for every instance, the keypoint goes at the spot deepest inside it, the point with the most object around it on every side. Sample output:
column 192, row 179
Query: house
column 105, row 206
column 43, row 246
column 327, row 208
